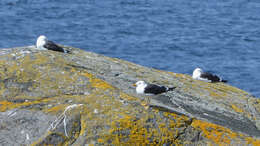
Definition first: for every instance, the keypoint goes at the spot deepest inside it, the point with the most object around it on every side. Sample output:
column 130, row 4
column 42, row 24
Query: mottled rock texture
column 48, row 97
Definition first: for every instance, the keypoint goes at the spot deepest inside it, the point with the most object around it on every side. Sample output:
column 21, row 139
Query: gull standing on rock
column 198, row 74
column 44, row 44
column 150, row 89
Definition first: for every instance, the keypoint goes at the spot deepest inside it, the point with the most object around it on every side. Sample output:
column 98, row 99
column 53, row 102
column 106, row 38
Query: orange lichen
column 141, row 132
column 100, row 140
column 216, row 133
column 252, row 141
column 4, row 105
column 105, row 117
column 137, row 133
column 220, row 135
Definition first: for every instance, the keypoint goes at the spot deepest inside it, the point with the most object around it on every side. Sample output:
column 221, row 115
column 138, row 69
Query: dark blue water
column 221, row 36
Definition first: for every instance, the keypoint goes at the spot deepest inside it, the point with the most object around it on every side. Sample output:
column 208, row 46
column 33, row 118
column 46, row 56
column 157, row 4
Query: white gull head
column 140, row 86
column 41, row 41
column 197, row 73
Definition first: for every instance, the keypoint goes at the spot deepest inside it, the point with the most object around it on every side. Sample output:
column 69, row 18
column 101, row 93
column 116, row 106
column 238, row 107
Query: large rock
column 48, row 97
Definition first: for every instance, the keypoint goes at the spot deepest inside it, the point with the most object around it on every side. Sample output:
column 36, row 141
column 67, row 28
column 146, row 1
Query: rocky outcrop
column 48, row 97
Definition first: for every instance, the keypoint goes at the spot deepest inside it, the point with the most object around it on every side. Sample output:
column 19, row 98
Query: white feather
column 197, row 75
column 140, row 86
column 41, row 41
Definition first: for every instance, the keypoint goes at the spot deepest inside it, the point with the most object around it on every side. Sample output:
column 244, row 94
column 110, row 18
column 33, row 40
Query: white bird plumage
column 41, row 41
column 140, row 86
column 197, row 73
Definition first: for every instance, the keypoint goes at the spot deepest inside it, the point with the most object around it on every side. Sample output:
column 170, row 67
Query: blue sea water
column 221, row 36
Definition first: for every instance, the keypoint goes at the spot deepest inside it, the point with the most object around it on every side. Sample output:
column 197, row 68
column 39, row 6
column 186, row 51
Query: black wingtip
column 172, row 88
column 67, row 51
column 224, row 81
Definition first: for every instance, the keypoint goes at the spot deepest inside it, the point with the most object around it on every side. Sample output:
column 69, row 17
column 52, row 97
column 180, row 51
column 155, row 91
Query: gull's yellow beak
column 134, row 85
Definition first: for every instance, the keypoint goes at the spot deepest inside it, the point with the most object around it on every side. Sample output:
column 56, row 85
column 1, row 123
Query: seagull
column 44, row 44
column 198, row 74
column 150, row 89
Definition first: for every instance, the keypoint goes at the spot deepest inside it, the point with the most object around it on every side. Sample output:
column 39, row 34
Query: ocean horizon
column 221, row 37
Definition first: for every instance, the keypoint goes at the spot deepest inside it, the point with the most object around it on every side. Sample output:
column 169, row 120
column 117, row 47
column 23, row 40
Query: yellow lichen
column 98, row 83
column 56, row 109
column 214, row 94
column 127, row 97
column 6, row 105
column 121, row 123
column 239, row 110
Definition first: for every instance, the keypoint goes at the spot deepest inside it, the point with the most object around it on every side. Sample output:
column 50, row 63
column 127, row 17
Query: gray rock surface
column 48, row 97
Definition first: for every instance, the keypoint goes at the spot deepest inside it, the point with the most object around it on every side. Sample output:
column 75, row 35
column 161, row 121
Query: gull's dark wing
column 211, row 77
column 52, row 46
column 154, row 89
